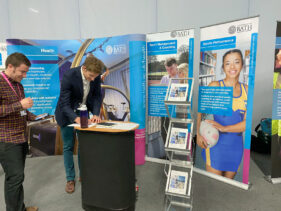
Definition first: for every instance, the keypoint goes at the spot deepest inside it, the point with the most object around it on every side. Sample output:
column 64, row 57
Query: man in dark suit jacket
column 79, row 86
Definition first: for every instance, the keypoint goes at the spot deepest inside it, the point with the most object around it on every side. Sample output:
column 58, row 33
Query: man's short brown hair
column 93, row 64
column 16, row 59
column 170, row 61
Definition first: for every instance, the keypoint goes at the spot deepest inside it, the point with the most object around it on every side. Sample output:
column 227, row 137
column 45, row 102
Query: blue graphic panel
column 276, row 107
column 278, row 42
column 156, row 106
column 217, row 44
column 190, row 59
column 42, row 85
column 215, row 100
column 162, row 47
column 137, row 52
column 252, row 67
column 34, row 53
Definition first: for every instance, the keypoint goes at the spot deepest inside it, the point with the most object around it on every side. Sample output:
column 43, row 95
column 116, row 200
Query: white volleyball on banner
column 209, row 133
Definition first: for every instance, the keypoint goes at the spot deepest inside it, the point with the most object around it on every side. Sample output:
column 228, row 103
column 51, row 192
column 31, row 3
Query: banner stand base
column 223, row 179
column 272, row 180
column 156, row 160
column 205, row 173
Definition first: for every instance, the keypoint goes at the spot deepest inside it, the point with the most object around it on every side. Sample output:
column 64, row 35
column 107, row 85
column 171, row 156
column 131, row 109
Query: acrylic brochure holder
column 178, row 145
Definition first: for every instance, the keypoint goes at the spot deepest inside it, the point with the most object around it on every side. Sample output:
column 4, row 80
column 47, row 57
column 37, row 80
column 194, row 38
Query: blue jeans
column 68, row 147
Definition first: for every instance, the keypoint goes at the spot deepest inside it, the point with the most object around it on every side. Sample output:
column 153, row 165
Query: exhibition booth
column 148, row 101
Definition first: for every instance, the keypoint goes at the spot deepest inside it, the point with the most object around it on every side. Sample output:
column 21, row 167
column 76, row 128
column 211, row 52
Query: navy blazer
column 71, row 96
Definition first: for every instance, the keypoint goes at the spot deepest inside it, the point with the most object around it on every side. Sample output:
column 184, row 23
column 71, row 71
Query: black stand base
column 93, row 208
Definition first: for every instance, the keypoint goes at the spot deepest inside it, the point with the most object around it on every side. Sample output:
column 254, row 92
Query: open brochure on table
column 78, row 125
column 110, row 125
column 117, row 125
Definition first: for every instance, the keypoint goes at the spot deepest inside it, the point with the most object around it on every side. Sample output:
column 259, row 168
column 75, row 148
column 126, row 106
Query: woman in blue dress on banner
column 225, row 157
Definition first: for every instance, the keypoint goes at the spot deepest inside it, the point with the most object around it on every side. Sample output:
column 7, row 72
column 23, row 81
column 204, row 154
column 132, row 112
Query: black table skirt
column 107, row 170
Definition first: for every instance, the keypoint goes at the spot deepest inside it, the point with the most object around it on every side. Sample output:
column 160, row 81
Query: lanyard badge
column 7, row 80
column 22, row 112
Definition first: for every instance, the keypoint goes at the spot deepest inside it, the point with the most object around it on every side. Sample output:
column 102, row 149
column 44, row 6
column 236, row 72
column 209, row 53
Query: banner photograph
column 169, row 55
column 225, row 98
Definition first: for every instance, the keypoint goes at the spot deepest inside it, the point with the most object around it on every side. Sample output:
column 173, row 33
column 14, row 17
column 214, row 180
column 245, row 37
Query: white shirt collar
column 83, row 77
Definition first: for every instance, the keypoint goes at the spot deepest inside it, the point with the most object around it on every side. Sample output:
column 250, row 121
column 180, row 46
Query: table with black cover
column 107, row 162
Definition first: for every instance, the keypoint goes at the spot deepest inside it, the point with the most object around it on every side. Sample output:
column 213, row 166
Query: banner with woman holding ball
column 225, row 100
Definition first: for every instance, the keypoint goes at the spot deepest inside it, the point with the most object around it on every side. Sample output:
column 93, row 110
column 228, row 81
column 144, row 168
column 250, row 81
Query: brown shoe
column 32, row 208
column 70, row 186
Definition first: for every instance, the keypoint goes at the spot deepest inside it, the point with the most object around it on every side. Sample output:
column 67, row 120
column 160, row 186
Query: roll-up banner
column 123, row 88
column 167, row 52
column 276, row 111
column 225, row 99
column 3, row 55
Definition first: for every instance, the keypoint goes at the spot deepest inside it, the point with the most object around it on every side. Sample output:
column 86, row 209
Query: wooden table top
column 108, row 130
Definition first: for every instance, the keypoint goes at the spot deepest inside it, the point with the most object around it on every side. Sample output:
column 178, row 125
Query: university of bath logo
column 116, row 49
column 240, row 28
column 179, row 33
column 109, row 49
column 173, row 34
column 232, row 29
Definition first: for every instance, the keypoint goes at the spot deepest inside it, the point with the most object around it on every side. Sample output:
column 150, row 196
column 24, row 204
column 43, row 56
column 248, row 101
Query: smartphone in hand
column 41, row 116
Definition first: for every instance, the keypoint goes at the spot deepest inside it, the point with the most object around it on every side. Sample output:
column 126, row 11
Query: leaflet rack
column 178, row 144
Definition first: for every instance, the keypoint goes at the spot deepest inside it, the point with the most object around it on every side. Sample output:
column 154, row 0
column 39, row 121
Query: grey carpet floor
column 45, row 181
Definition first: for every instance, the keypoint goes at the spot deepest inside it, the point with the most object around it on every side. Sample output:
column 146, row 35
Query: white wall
column 44, row 19
column 4, row 21
column 75, row 19
column 117, row 17
column 179, row 14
